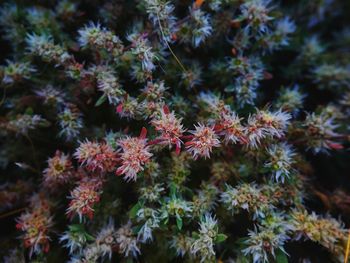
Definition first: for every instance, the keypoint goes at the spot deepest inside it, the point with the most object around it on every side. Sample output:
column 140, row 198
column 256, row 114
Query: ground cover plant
column 174, row 131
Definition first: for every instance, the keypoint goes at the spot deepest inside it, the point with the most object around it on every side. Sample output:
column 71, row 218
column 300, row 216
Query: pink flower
column 96, row 156
column 128, row 108
column 170, row 128
column 60, row 170
column 84, row 197
column 231, row 128
column 202, row 142
column 135, row 154
column 36, row 223
column 266, row 124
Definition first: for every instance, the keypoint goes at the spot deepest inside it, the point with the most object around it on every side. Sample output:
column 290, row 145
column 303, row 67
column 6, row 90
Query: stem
column 166, row 42
column 347, row 249
column 3, row 97
column 34, row 152
column 12, row 212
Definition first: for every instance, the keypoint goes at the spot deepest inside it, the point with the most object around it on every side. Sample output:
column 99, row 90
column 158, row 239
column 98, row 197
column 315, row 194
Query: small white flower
column 320, row 129
column 127, row 241
column 262, row 243
column 151, row 220
column 106, row 239
column 280, row 160
column 201, row 29
column 204, row 245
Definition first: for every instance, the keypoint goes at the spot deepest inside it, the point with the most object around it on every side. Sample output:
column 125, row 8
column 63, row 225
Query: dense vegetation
column 174, row 131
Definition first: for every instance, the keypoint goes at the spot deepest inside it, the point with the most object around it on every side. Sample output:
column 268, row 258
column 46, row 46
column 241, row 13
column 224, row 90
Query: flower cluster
column 256, row 14
column 44, row 46
column 135, row 154
column 280, row 161
column 59, row 170
column 36, row 224
column 143, row 52
column 203, row 140
column 208, row 235
column 127, row 241
column 178, row 208
column 232, row 128
column 108, row 83
column 265, row 124
column 22, row 124
column 75, row 238
column 97, row 37
column 96, row 156
column 200, row 27
column 320, row 131
column 15, row 72
column 248, row 197
column 83, row 198
column 244, row 112
column 160, row 12
column 328, row 232
column 290, row 99
column 151, row 219
column 206, row 199
column 70, row 121
column 262, row 243
column 170, row 128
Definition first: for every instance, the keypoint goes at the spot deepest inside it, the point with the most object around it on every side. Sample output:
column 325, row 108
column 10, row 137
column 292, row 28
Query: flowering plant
column 174, row 131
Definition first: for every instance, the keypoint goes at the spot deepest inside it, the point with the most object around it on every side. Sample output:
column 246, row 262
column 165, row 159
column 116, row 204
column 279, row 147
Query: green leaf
column 166, row 220
column 76, row 228
column 179, row 222
column 134, row 210
column 136, row 229
column 195, row 235
column 173, row 189
column 101, row 100
column 29, row 111
column 220, row 238
column 281, row 257
column 187, row 191
column 89, row 237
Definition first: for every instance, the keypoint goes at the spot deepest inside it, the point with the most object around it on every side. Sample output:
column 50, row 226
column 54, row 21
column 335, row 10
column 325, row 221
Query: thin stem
column 34, row 152
column 166, row 42
column 10, row 213
column 3, row 97
column 347, row 249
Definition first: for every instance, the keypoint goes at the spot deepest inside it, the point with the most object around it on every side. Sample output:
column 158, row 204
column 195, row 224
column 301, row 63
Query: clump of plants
column 174, row 131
